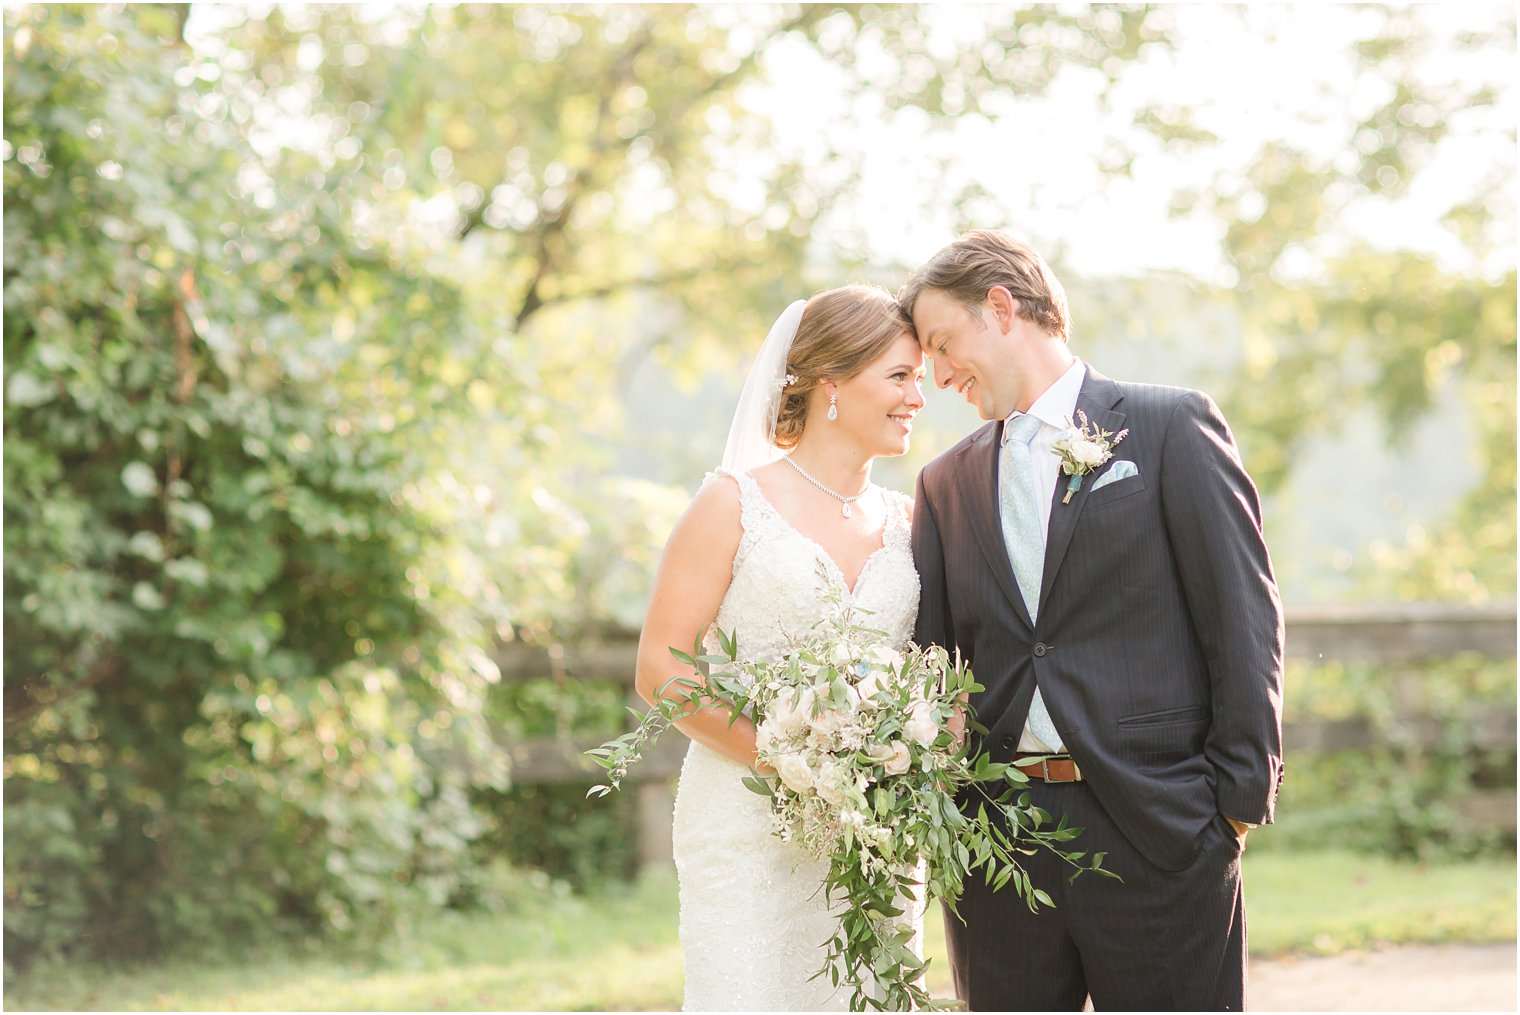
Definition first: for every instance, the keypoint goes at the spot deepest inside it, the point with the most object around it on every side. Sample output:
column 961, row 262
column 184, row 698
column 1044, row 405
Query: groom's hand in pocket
column 956, row 722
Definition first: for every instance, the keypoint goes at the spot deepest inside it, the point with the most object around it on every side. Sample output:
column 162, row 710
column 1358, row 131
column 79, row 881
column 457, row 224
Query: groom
column 1126, row 626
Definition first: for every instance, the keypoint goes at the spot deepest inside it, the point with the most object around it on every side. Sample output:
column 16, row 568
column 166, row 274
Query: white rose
column 898, row 763
column 828, row 721
column 790, row 712
column 794, row 772
column 842, row 654
column 763, row 737
column 920, row 727
column 1088, row 452
column 829, row 785
column 778, row 718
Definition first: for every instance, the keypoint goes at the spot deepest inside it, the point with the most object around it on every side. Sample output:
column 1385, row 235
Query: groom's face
column 968, row 352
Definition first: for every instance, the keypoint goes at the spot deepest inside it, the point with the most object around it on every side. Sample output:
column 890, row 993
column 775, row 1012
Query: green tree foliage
column 231, row 700
column 1331, row 324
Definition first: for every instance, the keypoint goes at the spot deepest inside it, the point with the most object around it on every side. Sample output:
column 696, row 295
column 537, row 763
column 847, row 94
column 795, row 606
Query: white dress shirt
column 1054, row 409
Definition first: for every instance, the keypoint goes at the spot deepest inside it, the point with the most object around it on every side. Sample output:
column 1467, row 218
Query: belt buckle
column 1076, row 773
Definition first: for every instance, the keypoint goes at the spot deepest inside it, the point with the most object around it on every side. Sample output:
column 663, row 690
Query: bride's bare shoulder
column 716, row 505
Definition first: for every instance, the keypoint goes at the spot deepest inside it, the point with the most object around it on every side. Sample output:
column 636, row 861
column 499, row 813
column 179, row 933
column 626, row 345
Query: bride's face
column 877, row 405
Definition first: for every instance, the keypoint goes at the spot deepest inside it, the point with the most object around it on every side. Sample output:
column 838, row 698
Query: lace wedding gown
column 753, row 919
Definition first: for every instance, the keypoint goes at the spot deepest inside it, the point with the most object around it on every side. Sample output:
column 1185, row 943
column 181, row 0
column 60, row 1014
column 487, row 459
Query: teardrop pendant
column 843, row 500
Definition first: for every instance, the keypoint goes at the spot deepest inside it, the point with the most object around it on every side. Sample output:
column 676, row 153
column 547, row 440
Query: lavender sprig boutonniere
column 1082, row 447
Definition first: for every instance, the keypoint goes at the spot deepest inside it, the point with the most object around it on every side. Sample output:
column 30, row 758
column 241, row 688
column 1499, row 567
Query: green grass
column 619, row 950
column 1326, row 902
column 565, row 953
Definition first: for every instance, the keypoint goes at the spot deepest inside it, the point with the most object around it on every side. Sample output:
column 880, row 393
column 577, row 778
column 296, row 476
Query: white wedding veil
column 752, row 435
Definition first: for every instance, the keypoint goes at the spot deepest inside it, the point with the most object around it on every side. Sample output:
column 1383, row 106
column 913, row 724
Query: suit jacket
column 1158, row 647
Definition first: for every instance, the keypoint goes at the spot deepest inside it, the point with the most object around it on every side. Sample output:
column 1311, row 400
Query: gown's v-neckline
column 833, row 565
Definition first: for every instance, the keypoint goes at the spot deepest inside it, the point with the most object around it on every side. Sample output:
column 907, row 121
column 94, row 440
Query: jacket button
column 1008, row 743
column 1040, row 648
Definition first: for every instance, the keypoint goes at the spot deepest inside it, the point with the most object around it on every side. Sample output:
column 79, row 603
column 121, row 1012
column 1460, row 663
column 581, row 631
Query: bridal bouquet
column 865, row 772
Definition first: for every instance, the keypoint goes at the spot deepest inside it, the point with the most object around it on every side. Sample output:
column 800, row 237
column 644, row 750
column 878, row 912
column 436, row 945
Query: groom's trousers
column 1158, row 941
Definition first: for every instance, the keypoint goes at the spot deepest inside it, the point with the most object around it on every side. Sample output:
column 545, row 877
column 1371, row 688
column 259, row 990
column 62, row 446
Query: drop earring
column 833, row 412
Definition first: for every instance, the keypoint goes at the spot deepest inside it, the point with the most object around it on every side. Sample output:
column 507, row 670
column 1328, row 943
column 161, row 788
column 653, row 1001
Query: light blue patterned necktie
column 1024, row 535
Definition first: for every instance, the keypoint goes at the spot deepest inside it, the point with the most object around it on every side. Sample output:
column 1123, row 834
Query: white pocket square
column 1121, row 469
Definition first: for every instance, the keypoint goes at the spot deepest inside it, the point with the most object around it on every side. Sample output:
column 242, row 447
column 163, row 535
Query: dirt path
column 1413, row 978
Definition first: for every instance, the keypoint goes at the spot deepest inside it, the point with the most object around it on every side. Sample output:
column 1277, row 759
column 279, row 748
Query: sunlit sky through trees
column 1236, row 78
column 1269, row 73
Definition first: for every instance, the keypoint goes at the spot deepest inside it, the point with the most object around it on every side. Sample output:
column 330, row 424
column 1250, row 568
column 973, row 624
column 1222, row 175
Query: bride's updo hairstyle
column 841, row 332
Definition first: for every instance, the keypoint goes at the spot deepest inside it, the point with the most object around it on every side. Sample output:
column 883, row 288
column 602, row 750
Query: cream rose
column 790, row 712
column 898, row 763
column 794, row 772
column 828, row 721
column 920, row 727
column 830, row 785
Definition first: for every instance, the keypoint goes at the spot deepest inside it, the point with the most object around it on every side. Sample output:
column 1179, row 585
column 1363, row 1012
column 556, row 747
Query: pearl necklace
column 846, row 501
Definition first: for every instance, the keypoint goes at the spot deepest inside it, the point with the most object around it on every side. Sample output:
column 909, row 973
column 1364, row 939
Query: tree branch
column 579, row 183
column 554, row 224
column 636, row 282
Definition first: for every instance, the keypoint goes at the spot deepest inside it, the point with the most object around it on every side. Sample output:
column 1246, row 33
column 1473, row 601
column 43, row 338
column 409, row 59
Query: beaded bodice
column 780, row 576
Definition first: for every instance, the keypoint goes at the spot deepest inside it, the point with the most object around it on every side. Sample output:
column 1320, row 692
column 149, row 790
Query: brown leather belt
column 1054, row 768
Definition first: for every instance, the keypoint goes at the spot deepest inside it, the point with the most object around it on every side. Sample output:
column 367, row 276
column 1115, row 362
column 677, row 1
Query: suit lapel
column 1098, row 398
column 979, row 470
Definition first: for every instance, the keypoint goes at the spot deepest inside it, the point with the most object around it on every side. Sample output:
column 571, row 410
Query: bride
column 835, row 386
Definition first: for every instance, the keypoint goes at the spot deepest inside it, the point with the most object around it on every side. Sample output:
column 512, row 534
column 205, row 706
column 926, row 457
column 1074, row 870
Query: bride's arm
column 689, row 586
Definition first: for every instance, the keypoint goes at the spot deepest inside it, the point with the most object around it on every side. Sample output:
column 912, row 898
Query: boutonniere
column 1082, row 447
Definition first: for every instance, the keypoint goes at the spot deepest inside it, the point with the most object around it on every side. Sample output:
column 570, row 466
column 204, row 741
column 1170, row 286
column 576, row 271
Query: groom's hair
column 983, row 258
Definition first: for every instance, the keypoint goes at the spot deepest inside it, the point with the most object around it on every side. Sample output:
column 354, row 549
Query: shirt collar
column 1058, row 404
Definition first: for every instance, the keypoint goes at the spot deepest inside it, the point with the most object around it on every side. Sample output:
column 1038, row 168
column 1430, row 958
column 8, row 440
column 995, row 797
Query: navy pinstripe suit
column 1158, row 651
